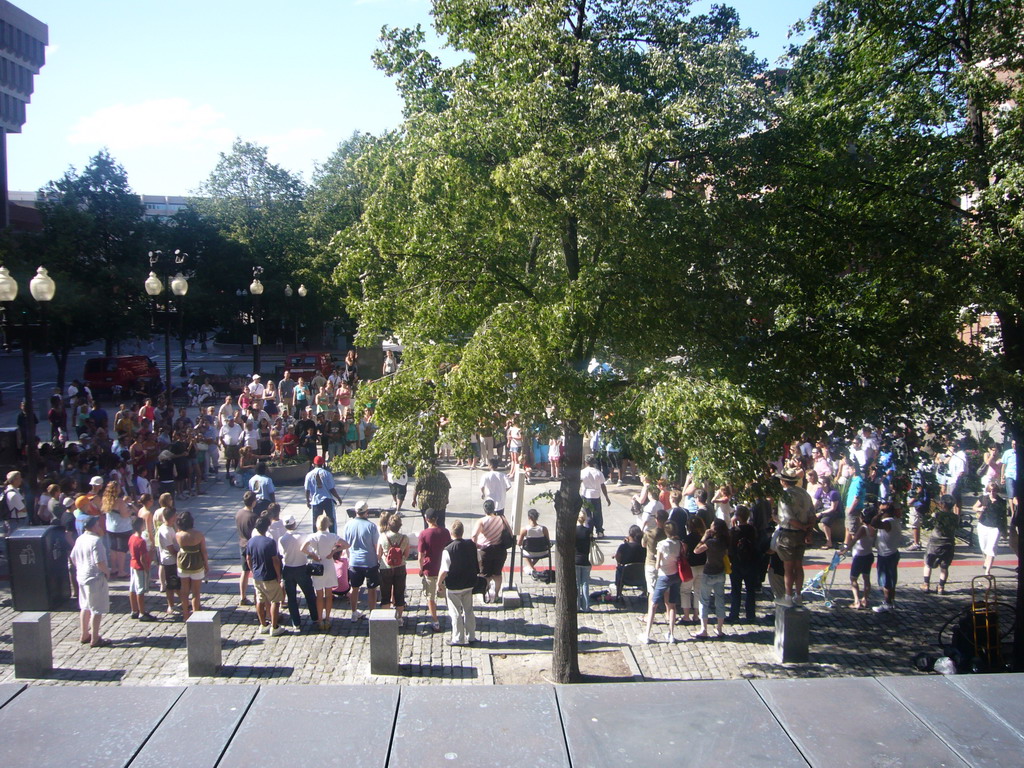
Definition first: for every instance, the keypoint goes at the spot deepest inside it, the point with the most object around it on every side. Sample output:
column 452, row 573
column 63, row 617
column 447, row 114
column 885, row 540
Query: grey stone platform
column 857, row 722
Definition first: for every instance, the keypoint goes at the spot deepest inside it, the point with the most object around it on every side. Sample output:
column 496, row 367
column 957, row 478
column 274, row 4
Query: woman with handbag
column 320, row 549
column 493, row 538
column 584, row 540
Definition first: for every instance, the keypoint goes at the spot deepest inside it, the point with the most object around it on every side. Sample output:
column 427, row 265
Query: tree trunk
column 108, row 347
column 565, row 664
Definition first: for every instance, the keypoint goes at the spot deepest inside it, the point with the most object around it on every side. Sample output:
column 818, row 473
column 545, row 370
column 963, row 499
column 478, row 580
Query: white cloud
column 153, row 123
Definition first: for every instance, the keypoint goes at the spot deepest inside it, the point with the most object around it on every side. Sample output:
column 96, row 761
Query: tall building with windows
column 23, row 41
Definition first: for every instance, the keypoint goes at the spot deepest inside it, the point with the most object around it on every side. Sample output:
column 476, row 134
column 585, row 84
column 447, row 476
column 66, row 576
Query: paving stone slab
column 211, row 710
column 971, row 731
column 98, row 726
column 8, row 691
column 346, row 725
column 520, row 720
column 853, row 722
column 702, row 724
column 1000, row 694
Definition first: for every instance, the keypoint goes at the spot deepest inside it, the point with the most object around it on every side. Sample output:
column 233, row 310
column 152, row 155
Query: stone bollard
column 792, row 634
column 202, row 640
column 510, row 598
column 33, row 644
column 384, row 642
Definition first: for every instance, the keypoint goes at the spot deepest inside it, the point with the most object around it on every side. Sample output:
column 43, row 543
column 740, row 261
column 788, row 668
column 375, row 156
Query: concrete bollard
column 510, row 598
column 202, row 640
column 792, row 634
column 33, row 644
column 384, row 642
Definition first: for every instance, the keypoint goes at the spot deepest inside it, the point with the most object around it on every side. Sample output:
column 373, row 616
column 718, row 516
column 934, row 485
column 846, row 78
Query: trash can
column 38, row 559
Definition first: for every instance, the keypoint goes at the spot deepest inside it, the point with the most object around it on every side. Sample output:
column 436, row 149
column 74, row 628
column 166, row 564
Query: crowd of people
column 115, row 490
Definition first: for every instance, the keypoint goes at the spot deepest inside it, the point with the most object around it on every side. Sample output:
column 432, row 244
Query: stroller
column 822, row 581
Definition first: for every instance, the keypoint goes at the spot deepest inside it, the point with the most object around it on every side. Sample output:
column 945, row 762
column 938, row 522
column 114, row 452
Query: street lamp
column 42, row 289
column 256, row 290
column 179, row 287
column 288, row 292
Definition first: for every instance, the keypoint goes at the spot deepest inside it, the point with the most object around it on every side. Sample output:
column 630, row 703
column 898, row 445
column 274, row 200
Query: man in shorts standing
column 89, row 556
column 265, row 564
column 430, row 545
column 796, row 520
column 363, row 566
column 855, row 495
column 140, row 562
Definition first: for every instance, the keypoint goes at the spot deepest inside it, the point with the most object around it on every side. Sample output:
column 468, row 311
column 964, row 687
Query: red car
column 306, row 364
column 121, row 374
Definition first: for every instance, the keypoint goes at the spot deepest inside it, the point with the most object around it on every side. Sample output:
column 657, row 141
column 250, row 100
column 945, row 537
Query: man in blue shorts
column 362, row 536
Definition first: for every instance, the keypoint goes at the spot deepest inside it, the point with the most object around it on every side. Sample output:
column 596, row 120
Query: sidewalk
column 844, row 642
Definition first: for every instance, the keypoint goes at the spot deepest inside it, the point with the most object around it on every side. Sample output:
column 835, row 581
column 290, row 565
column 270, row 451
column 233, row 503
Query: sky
column 167, row 86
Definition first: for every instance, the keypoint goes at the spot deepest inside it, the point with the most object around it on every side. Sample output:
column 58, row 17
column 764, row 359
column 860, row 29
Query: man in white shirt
column 494, row 485
column 256, row 388
column 592, row 485
column 230, row 438
column 226, row 409
column 293, row 569
column 15, row 502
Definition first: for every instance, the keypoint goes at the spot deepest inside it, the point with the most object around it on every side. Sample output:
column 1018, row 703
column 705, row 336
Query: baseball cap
column 318, row 461
column 96, row 480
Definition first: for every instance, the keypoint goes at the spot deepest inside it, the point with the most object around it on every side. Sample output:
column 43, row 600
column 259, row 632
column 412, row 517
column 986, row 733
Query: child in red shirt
column 140, row 563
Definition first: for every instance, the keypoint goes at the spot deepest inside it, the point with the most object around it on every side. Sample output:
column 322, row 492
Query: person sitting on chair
column 539, row 533
column 629, row 551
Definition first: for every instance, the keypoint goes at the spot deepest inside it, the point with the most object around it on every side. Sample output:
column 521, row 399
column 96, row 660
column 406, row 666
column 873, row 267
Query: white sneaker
column 278, row 631
column 357, row 615
column 670, row 638
column 883, row 608
column 264, row 629
column 643, row 639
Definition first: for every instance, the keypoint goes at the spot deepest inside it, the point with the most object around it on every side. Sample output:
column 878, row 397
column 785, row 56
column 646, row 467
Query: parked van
column 306, row 364
column 121, row 374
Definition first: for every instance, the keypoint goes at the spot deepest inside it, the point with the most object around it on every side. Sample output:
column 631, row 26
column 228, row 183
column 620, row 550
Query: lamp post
column 154, row 287
column 42, row 289
column 179, row 287
column 256, row 290
column 288, row 292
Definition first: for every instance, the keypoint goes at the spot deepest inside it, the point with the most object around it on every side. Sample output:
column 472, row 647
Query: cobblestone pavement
column 844, row 642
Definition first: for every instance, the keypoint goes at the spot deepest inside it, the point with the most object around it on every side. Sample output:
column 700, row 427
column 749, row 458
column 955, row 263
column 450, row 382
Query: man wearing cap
column 363, row 536
column 15, row 502
column 88, row 504
column 256, row 388
column 230, row 438
column 89, row 556
column 796, row 520
column 293, row 567
column 321, row 493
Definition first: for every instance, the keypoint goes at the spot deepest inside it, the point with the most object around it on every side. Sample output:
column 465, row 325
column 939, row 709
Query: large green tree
column 94, row 243
column 898, row 178
column 546, row 202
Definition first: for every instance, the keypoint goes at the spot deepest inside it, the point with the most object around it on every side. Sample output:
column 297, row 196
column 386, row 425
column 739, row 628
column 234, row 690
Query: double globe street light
column 179, row 287
column 42, row 288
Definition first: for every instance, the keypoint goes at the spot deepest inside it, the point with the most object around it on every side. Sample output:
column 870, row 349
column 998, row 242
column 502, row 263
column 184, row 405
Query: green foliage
column 94, row 243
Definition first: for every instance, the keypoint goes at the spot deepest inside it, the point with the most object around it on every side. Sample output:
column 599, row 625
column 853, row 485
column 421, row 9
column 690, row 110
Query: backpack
column 5, row 508
column 393, row 557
